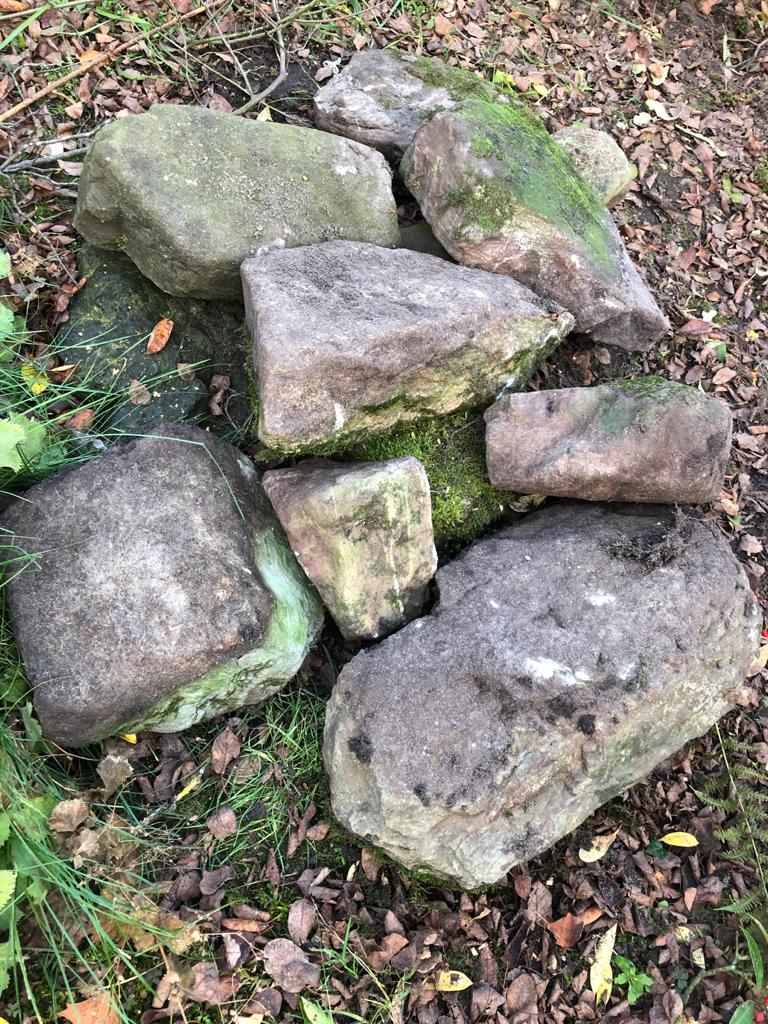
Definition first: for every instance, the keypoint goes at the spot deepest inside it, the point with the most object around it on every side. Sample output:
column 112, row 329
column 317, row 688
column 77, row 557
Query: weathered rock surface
column 189, row 193
column 352, row 338
column 383, row 97
column 501, row 195
column 641, row 440
column 105, row 336
column 599, row 159
column 567, row 656
column 161, row 591
column 362, row 532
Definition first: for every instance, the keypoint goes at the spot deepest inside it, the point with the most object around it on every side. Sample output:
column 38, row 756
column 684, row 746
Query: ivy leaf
column 21, row 441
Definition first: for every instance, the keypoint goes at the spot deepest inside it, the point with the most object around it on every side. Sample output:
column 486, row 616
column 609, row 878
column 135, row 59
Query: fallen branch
column 282, row 73
column 40, row 161
column 108, row 55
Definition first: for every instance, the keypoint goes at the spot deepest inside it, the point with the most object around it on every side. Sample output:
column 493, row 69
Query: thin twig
column 41, row 160
column 282, row 74
column 129, row 44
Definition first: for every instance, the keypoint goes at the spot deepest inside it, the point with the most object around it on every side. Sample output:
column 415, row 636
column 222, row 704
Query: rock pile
column 168, row 581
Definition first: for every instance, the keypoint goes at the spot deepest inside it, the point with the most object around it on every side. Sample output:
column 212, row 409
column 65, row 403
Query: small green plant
column 637, row 983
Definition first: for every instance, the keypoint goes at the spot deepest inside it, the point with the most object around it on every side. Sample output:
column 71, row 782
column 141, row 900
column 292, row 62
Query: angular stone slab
column 599, row 159
column 567, row 656
column 350, row 339
column 189, row 193
column 161, row 591
column 501, row 195
column 362, row 532
column 640, row 440
column 106, row 338
column 383, row 97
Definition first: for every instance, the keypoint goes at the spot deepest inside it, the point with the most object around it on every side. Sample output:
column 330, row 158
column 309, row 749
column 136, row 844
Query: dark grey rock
column 362, row 532
column 641, row 440
column 350, row 339
column 567, row 656
column 501, row 195
column 105, row 336
column 383, row 97
column 421, row 238
column 158, row 589
column 189, row 193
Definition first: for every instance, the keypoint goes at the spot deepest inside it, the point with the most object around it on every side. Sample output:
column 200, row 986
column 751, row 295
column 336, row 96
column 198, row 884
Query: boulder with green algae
column 110, row 319
column 501, row 195
column 164, row 591
column 350, row 339
column 383, row 97
column 599, row 159
column 362, row 532
column 645, row 439
column 189, row 193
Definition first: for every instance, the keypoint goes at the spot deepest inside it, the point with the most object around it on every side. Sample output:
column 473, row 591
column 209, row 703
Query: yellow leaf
column 265, row 114
column 88, row 55
column 129, row 737
column 192, row 784
column 601, row 973
column 679, row 839
column 452, row 981
column 697, row 955
column 36, row 381
column 683, row 933
column 598, row 848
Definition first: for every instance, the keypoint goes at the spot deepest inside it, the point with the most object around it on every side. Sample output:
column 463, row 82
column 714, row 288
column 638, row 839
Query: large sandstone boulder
column 110, row 319
column 383, row 97
column 189, row 193
column 639, row 440
column 501, row 195
column 158, row 589
column 362, row 532
column 567, row 656
column 599, row 159
column 352, row 338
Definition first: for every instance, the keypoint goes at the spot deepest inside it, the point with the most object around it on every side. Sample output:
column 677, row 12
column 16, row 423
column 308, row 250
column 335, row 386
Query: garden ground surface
column 159, row 899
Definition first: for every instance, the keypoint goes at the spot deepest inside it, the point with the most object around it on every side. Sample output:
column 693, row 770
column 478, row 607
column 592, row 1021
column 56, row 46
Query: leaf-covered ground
column 238, row 891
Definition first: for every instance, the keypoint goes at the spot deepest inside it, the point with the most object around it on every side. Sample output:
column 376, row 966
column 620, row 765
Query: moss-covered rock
column 189, row 193
column 599, row 159
column 383, row 97
column 500, row 194
column 106, row 338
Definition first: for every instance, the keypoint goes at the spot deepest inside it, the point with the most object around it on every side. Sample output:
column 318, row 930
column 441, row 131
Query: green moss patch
column 459, row 83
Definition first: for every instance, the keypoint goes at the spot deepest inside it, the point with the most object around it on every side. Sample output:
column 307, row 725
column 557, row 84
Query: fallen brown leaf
column 204, row 984
column 302, row 920
column 289, row 966
column 138, row 393
column 222, row 823
column 67, row 815
column 113, row 771
column 97, row 1010
column 224, row 749
column 567, row 930
column 158, row 339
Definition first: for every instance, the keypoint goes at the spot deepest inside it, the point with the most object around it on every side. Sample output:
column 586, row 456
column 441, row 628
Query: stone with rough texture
column 362, row 532
column 383, row 97
column 599, row 159
column 158, row 589
column 640, row 440
column 110, row 319
column 567, row 656
column 501, row 195
column 189, row 193
column 352, row 338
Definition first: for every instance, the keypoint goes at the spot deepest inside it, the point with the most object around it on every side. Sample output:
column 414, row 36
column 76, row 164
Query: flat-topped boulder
column 599, row 159
column 350, row 339
column 501, row 195
column 383, row 97
column 189, row 193
column 362, row 532
column 645, row 439
column 110, row 320
column 158, row 589
column 567, row 656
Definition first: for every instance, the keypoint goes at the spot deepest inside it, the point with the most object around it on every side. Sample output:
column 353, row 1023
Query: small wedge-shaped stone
column 189, row 193
column 500, row 194
column 599, row 159
column 350, row 339
column 362, row 532
column 155, row 588
column 640, row 440
column 383, row 97
column 567, row 656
